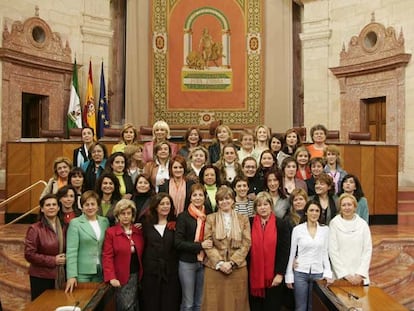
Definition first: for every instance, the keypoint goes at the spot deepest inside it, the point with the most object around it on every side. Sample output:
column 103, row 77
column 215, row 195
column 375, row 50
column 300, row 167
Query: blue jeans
column 191, row 276
column 303, row 289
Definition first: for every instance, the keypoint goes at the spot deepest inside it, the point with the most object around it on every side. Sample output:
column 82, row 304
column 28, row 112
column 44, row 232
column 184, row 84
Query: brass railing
column 19, row 194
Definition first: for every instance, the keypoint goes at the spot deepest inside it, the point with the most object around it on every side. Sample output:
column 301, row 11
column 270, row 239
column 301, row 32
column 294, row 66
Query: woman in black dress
column 160, row 283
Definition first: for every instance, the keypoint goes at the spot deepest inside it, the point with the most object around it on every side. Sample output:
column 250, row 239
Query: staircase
column 14, row 277
column 406, row 205
column 392, row 268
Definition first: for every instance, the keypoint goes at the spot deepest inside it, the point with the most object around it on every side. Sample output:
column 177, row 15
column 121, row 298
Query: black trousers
column 39, row 285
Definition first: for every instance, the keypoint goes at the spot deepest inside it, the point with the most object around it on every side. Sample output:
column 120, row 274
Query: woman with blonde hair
column 262, row 137
column 160, row 132
column 350, row 244
column 333, row 166
column 269, row 255
column 134, row 160
column 122, row 256
column 196, row 161
column 223, row 136
column 129, row 135
column 225, row 276
column 61, row 169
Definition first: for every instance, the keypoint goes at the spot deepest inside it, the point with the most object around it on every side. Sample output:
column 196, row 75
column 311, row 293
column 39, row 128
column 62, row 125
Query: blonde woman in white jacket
column 350, row 244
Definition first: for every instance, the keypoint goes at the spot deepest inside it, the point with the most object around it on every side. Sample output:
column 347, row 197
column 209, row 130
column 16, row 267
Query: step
column 404, row 294
column 382, row 259
column 394, row 278
column 11, row 302
column 405, row 193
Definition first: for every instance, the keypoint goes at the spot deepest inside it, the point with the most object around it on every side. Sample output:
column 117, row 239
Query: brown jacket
column 222, row 250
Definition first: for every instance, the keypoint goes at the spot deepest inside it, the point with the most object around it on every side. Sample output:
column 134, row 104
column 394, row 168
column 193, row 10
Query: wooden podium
column 87, row 296
column 342, row 296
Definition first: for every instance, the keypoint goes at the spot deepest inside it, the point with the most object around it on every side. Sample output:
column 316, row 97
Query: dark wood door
column 374, row 118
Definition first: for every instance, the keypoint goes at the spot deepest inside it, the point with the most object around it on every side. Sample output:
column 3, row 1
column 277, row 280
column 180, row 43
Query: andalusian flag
column 74, row 109
column 89, row 114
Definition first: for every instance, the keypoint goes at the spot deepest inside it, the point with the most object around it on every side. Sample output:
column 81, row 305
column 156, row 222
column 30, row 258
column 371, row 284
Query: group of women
column 224, row 228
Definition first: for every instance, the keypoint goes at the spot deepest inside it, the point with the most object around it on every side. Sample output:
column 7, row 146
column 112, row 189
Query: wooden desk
column 343, row 298
column 89, row 295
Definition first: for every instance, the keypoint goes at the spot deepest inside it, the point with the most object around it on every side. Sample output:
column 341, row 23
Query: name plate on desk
column 345, row 297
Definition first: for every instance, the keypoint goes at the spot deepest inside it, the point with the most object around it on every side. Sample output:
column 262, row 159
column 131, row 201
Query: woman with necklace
column 45, row 246
column 107, row 188
column 308, row 260
column 302, row 157
column 352, row 185
column 122, row 256
column 67, row 199
column 177, row 186
column 229, row 165
column 84, row 243
column 158, row 168
column 160, row 283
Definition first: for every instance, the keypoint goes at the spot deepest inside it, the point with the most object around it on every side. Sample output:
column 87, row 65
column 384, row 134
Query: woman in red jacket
column 122, row 256
column 44, row 249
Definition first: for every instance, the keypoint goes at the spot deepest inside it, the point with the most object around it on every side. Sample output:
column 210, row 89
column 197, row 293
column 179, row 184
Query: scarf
column 60, row 273
column 262, row 255
column 177, row 193
column 235, row 230
column 211, row 192
column 200, row 217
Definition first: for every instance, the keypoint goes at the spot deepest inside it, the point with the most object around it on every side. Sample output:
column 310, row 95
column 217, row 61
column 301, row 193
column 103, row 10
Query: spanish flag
column 89, row 111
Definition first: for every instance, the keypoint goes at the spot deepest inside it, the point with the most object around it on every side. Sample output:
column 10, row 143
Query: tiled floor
column 392, row 265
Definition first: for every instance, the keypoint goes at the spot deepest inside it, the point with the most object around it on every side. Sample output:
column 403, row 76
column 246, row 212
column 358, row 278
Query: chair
column 356, row 137
column 110, row 133
column 75, row 133
column 302, row 133
column 332, row 136
column 54, row 134
column 145, row 133
column 212, row 128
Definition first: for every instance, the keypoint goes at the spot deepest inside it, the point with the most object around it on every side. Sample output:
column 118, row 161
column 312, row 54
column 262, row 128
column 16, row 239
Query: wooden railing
column 19, row 194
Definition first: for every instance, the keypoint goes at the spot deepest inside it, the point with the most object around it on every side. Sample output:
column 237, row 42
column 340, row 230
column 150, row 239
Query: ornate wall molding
column 374, row 66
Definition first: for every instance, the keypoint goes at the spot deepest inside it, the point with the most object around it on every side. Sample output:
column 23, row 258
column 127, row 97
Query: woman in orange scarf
column 189, row 241
column 269, row 255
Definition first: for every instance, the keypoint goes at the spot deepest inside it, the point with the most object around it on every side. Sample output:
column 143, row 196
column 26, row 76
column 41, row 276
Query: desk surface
column 360, row 297
column 85, row 293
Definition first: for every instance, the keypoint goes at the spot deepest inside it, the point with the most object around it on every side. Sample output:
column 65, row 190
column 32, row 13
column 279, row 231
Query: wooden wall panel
column 367, row 175
column 376, row 166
